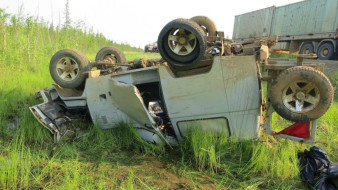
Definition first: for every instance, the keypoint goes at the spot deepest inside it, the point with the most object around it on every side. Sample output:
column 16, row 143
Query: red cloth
column 301, row 130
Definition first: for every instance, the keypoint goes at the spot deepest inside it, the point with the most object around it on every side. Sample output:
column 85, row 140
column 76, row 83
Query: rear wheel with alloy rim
column 301, row 94
column 68, row 68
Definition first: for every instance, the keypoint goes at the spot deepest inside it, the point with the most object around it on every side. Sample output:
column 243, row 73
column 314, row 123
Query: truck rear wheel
column 68, row 68
column 325, row 51
column 307, row 49
column 182, row 43
column 301, row 94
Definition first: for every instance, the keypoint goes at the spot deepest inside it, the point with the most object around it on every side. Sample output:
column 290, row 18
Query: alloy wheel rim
column 301, row 96
column 181, row 41
column 67, row 69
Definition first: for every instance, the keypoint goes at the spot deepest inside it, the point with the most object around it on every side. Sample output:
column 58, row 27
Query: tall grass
column 327, row 133
column 334, row 81
column 212, row 152
column 89, row 162
column 204, row 147
column 15, row 165
column 278, row 160
column 207, row 150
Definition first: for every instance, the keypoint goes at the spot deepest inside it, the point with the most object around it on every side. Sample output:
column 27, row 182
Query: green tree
column 67, row 16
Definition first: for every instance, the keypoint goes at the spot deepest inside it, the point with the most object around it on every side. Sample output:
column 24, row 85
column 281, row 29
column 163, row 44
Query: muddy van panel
column 102, row 109
column 229, row 90
column 114, row 98
column 101, row 96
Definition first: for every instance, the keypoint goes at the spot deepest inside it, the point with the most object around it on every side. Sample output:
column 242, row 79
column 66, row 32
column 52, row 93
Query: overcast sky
column 138, row 22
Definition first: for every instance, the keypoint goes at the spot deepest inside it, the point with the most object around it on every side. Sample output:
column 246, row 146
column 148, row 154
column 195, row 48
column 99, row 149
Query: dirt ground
column 330, row 67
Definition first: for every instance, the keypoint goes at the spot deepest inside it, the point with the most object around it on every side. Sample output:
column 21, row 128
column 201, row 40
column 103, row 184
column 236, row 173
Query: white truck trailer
column 309, row 27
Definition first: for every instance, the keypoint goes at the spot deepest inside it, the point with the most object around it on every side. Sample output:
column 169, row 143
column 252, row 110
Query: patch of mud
column 13, row 123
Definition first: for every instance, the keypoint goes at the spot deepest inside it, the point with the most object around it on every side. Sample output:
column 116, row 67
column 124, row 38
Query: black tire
column 182, row 60
column 307, row 49
column 325, row 51
column 207, row 24
column 111, row 54
column 68, row 68
column 303, row 87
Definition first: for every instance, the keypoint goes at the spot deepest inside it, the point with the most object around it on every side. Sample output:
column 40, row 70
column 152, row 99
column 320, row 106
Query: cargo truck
column 306, row 27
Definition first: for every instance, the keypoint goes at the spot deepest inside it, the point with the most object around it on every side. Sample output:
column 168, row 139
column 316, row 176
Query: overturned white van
column 187, row 88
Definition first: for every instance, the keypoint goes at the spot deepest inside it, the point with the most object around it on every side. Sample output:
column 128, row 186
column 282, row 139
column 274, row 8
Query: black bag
column 316, row 164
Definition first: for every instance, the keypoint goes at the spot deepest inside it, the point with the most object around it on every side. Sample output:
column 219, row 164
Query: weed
column 15, row 166
column 275, row 161
column 283, row 55
column 128, row 138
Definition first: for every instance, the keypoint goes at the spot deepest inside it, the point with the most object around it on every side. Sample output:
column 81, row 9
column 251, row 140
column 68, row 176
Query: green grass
column 283, row 55
column 118, row 158
column 334, row 80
